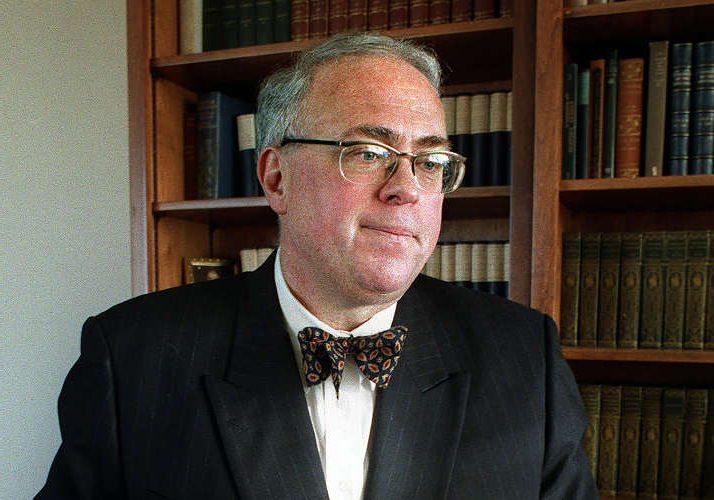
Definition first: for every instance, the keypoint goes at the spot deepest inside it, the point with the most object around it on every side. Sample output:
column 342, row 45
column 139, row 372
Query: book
column 589, row 286
column 629, row 452
column 505, row 8
column 701, row 133
column 449, row 105
column 495, row 266
column 609, row 288
column 707, row 486
column 484, row 9
column 357, row 15
column 675, row 255
column 650, row 442
column 461, row 10
column 229, row 19
column 610, row 409
column 247, row 34
column 590, row 394
column 317, row 19
column 263, row 254
column 480, row 148
column 597, row 115
column 217, row 143
column 671, row 452
column 499, row 139
column 609, row 138
column 570, row 289
column 508, row 140
column 246, row 178
column 479, row 264
column 377, row 14
column 418, row 12
column 570, row 121
column 337, row 16
column 439, row 11
column 656, row 107
column 211, row 25
column 629, row 117
column 652, row 290
column 264, row 20
column 709, row 317
column 248, row 259
column 398, row 14
column 693, row 436
column 696, row 288
column 433, row 264
column 190, row 154
column 190, row 26
column 300, row 19
column 507, row 269
column 281, row 20
column 462, row 124
column 582, row 140
column 678, row 97
column 462, row 264
column 448, row 261
column 628, row 324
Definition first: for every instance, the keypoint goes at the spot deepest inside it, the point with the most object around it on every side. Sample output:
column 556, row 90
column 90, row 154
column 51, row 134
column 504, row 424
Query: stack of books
column 652, row 290
column 633, row 116
column 651, row 442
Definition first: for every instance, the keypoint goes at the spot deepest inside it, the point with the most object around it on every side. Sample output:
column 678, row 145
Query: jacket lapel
column 260, row 408
column 418, row 418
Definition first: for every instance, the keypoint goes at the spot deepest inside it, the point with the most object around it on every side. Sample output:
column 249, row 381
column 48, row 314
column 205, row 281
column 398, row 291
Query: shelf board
column 491, row 201
column 244, row 66
column 638, row 355
column 688, row 192
column 638, row 20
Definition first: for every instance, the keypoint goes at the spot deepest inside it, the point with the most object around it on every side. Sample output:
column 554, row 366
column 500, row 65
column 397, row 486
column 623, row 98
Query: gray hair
column 282, row 92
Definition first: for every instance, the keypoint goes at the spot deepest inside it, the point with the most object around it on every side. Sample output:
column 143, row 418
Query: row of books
column 219, row 148
column 480, row 127
column 652, row 290
column 651, row 442
column 579, row 3
column 607, row 100
column 479, row 265
column 198, row 269
column 220, row 24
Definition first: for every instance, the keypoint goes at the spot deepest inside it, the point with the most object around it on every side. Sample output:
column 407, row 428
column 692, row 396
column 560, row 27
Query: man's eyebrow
column 390, row 137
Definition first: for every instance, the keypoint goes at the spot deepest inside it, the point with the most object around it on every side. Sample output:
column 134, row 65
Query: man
column 216, row 390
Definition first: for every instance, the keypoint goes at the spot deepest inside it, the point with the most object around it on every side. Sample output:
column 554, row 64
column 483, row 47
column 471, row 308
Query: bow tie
column 324, row 354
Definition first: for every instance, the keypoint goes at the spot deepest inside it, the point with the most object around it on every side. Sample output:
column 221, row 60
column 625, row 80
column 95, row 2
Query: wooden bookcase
column 525, row 54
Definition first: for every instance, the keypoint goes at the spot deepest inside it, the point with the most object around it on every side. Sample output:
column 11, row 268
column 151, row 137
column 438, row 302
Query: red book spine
column 439, row 11
column 418, row 12
column 461, row 10
column 299, row 20
column 318, row 18
column 398, row 14
column 337, row 22
column 357, row 16
column 378, row 14
column 505, row 8
column 629, row 117
column 483, row 9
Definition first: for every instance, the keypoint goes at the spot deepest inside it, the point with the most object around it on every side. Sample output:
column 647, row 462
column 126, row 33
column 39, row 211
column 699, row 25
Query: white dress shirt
column 342, row 426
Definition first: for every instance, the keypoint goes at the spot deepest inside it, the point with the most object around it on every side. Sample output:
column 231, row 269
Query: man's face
column 365, row 244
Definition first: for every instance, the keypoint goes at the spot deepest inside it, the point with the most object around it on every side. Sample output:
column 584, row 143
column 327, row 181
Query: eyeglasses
column 371, row 162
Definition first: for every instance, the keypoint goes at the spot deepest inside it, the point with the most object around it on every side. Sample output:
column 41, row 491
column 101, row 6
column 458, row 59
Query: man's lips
column 399, row 231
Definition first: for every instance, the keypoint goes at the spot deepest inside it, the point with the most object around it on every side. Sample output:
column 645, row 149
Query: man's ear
column 270, row 175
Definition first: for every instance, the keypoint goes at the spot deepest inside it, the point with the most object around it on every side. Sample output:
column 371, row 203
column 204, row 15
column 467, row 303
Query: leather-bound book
column 629, row 117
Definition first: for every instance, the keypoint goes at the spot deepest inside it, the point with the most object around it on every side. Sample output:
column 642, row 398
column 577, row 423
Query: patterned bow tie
column 376, row 355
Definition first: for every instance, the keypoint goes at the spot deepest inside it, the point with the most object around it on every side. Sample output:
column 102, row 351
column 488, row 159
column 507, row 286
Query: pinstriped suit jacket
column 193, row 393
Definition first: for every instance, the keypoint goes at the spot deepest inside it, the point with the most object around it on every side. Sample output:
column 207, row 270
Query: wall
column 64, row 213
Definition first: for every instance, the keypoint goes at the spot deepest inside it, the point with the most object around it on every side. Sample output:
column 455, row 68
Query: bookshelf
column 526, row 54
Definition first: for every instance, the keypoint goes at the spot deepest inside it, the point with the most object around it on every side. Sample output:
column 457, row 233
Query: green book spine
column 609, row 288
column 264, row 22
column 671, row 453
column 570, row 121
column 610, row 121
column 597, row 113
column 709, row 318
column 629, row 441
column 652, row 290
column 229, row 16
column 589, row 279
column 628, row 326
column 701, row 128
column 246, row 27
column 610, row 407
column 570, row 289
column 591, row 399
column 695, row 415
column 675, row 254
column 281, row 20
column 650, row 442
column 697, row 254
column 678, row 109
column 708, row 460
column 582, row 149
column 211, row 24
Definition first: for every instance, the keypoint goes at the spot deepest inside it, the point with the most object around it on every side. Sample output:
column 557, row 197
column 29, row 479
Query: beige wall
column 64, row 209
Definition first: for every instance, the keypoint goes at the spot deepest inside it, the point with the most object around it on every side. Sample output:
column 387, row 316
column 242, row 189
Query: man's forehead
column 393, row 137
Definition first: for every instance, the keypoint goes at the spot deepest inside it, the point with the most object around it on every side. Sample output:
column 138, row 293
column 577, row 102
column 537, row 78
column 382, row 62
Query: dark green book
column 610, row 408
column 609, row 140
column 609, row 289
column 671, row 452
column 701, row 133
column 678, row 114
column 589, row 287
column 709, row 318
column 229, row 17
column 212, row 25
column 707, row 490
column 570, row 289
column 675, row 268
column 628, row 325
column 652, row 290
column 590, row 393
column 264, row 22
column 582, row 148
column 629, row 441
column 697, row 254
column 247, row 23
column 281, row 20
column 650, row 442
column 693, row 443
column 570, row 121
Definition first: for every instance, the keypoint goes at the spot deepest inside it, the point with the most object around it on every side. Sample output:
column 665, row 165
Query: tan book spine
column 570, row 289
column 675, row 252
column 449, row 105
column 707, row 491
column 693, row 446
column 652, row 290
column 494, row 265
column 610, row 408
column 263, row 254
column 248, row 259
column 671, row 453
column 479, row 262
column 190, row 26
column 590, row 394
column 433, row 264
column 628, row 325
column 629, row 117
column 650, row 442
column 697, row 254
column 609, row 288
column 462, row 269
column 629, row 441
column 448, row 262
column 656, row 107
column 589, row 285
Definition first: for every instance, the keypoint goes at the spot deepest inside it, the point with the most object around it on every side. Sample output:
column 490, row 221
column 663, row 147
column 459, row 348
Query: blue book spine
column 680, row 90
column 701, row 133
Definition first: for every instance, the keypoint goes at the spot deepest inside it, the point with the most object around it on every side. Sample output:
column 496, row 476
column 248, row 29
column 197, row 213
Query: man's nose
column 401, row 187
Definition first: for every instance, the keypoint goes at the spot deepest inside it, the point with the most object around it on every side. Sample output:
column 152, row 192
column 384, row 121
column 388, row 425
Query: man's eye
column 368, row 156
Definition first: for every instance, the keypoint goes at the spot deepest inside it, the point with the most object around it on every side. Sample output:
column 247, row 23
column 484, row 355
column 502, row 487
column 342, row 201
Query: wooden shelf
column 689, row 192
column 243, row 67
column 638, row 355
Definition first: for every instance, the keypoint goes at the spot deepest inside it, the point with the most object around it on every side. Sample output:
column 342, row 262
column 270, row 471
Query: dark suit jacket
column 193, row 392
